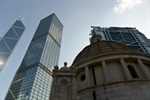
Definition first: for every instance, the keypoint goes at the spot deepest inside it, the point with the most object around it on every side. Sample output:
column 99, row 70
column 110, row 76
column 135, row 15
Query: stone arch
column 132, row 71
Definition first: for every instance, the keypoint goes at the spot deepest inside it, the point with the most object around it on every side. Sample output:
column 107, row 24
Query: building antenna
column 19, row 17
column 24, row 15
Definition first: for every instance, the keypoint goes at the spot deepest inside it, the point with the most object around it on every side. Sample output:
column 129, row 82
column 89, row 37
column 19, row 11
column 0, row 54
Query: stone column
column 143, row 67
column 125, row 69
column 87, row 75
column 105, row 69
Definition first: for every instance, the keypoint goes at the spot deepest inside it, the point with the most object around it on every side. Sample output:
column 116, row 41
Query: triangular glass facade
column 3, row 47
column 9, row 41
column 18, row 23
column 18, row 30
column 11, row 34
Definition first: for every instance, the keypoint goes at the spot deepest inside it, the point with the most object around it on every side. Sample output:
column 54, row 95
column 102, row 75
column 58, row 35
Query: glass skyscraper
column 33, row 78
column 9, row 41
column 126, row 35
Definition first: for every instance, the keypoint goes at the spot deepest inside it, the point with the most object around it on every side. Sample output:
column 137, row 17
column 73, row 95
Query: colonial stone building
column 104, row 70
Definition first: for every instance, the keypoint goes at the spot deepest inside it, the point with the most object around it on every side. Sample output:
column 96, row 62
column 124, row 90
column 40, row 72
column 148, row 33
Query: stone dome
column 102, row 48
column 65, row 68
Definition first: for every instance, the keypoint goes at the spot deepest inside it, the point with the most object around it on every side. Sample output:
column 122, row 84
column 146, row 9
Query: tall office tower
column 9, row 41
column 126, row 35
column 33, row 78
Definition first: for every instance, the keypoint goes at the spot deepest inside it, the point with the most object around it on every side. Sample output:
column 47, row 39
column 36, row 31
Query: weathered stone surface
column 104, row 70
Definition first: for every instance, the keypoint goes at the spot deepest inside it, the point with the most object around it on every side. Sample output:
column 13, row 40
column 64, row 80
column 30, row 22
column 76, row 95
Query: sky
column 77, row 17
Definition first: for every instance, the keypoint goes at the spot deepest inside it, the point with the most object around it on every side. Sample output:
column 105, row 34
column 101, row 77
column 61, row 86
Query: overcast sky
column 77, row 16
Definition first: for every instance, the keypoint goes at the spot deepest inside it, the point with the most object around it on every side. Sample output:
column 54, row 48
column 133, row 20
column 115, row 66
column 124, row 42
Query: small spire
column 21, row 17
column 65, row 64
column 25, row 15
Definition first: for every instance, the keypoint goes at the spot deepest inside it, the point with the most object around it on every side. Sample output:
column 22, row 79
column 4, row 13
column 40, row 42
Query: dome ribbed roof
column 101, row 48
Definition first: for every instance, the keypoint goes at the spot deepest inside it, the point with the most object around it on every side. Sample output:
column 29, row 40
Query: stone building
column 103, row 70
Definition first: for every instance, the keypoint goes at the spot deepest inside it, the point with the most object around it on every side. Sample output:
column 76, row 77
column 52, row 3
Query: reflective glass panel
column 3, row 47
column 19, row 24
column 35, row 50
column 43, row 27
column 19, row 31
column 3, row 57
column 11, row 43
column 117, row 36
column 128, row 37
column 11, row 33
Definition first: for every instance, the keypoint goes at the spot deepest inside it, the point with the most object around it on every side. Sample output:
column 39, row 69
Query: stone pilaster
column 105, row 70
column 125, row 69
column 87, row 75
column 143, row 67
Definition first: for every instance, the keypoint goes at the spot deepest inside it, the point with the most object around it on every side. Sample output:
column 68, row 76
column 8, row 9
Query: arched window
column 132, row 71
column 83, row 77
